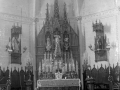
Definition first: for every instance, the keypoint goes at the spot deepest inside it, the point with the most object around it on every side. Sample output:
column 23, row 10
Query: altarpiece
column 57, row 47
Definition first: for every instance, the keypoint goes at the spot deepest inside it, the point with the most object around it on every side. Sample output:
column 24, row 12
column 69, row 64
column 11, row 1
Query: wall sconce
column 91, row 47
column 24, row 49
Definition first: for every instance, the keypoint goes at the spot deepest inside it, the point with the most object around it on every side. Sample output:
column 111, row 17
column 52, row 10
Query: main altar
column 57, row 52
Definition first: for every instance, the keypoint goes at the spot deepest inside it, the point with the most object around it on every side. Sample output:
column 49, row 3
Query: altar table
column 59, row 83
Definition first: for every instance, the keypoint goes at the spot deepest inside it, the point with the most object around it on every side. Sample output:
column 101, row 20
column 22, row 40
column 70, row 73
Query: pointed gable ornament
column 56, row 9
column 47, row 22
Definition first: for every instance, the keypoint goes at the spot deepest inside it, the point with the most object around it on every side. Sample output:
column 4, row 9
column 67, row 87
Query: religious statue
column 16, row 43
column 99, row 42
column 58, row 75
column 66, row 43
column 48, row 44
column 57, row 52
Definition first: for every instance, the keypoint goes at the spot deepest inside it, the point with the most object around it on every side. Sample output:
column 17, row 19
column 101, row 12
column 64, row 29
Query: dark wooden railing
column 18, row 78
column 103, row 77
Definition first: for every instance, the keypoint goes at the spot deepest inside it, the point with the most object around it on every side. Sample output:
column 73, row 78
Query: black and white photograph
column 59, row 44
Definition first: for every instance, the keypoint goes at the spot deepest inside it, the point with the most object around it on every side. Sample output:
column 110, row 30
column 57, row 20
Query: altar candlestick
column 60, row 65
column 45, row 56
column 49, row 68
column 65, row 62
column 65, row 67
column 39, row 67
column 77, row 67
column 73, row 66
column 89, row 60
column 69, row 66
column 68, row 62
column 51, row 57
column 48, row 55
column 109, row 68
column 43, row 67
column 55, row 65
column 65, row 57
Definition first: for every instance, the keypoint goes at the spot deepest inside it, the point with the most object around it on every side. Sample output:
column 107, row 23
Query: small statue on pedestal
column 58, row 74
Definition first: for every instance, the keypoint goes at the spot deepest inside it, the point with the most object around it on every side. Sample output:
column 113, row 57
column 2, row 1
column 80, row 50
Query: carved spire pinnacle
column 65, row 13
column 47, row 16
column 65, row 16
column 47, row 13
column 56, row 9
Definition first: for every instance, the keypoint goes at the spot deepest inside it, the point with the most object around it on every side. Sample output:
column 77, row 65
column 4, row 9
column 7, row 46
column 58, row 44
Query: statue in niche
column 48, row 44
column 57, row 52
column 99, row 42
column 66, row 42
column 16, row 43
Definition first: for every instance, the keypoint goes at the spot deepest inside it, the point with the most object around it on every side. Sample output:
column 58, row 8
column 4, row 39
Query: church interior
column 59, row 45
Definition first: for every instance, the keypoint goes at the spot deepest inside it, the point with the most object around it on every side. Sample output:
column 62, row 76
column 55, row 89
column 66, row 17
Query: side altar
column 57, row 51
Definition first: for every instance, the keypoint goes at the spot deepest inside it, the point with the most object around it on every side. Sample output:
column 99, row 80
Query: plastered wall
column 108, row 14
column 11, row 13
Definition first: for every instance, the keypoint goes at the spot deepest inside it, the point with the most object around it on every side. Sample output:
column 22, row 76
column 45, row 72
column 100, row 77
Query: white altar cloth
column 58, row 83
